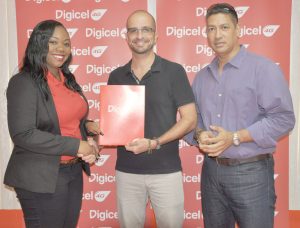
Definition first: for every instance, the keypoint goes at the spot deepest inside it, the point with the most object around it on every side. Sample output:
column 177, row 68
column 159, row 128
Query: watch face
column 236, row 140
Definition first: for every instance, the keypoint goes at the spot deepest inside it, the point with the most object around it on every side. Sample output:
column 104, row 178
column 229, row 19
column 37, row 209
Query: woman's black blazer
column 38, row 144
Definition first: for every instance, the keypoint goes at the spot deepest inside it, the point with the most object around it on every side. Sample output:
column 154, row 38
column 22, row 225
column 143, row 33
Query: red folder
column 122, row 113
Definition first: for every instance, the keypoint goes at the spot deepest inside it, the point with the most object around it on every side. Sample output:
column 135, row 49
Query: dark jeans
column 56, row 210
column 243, row 193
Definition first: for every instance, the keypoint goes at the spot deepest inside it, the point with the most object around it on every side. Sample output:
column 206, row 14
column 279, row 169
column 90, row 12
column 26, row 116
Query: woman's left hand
column 89, row 158
column 93, row 127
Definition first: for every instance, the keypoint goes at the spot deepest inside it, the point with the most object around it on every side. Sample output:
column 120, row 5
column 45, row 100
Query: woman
column 46, row 117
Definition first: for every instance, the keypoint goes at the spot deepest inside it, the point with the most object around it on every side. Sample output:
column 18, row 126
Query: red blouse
column 70, row 108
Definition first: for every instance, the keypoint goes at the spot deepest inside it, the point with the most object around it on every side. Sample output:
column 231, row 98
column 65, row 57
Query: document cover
column 122, row 113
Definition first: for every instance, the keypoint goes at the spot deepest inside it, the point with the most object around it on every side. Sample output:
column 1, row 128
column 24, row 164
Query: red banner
column 265, row 29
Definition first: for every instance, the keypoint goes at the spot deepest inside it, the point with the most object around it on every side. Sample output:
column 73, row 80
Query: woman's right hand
column 86, row 148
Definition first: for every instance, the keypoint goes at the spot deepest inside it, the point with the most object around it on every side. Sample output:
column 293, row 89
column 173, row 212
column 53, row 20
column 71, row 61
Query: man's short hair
column 222, row 8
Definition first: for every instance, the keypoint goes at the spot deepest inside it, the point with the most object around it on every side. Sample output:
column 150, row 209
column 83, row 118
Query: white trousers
column 165, row 192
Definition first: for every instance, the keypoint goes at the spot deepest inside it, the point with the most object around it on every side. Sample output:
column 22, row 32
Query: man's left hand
column 216, row 145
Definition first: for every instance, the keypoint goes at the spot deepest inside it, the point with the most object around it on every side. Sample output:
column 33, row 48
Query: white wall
column 8, row 65
column 294, row 164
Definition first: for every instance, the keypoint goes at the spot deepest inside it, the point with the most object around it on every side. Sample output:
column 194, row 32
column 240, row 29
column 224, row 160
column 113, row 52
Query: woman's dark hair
column 35, row 57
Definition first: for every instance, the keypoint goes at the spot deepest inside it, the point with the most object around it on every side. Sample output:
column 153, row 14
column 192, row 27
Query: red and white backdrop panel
column 265, row 29
column 97, row 30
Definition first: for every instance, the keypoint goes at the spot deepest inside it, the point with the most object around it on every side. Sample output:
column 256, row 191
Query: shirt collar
column 236, row 61
column 155, row 67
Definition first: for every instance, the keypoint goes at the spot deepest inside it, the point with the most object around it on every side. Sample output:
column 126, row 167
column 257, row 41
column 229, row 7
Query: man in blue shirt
column 244, row 107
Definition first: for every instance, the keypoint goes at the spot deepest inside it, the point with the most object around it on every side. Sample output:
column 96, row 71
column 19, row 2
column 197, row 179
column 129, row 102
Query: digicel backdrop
column 265, row 29
column 97, row 30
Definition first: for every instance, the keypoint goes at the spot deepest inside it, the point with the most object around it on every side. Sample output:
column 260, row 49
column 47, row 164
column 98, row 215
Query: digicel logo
column 104, row 33
column 96, row 87
column 96, row 51
column 92, row 87
column 180, row 32
column 194, row 68
column 98, row 196
column 95, row 14
column 240, row 10
column 103, row 158
column 72, row 31
column 100, row 70
column 267, row 31
column 204, row 49
column 192, row 215
column 73, row 68
column 191, row 179
column 102, row 179
column 103, row 215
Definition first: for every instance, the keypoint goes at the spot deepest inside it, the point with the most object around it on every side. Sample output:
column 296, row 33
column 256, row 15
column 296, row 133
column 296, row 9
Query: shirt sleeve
column 275, row 102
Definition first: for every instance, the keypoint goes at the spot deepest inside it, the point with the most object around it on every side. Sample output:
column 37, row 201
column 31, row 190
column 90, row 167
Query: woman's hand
column 89, row 158
column 89, row 151
column 93, row 127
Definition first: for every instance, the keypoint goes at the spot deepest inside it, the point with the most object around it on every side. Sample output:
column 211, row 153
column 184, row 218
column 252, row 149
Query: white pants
column 165, row 192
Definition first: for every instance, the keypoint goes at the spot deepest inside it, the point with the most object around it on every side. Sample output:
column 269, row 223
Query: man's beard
column 143, row 51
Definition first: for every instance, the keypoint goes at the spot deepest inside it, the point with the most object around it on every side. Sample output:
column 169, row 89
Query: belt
column 70, row 161
column 235, row 161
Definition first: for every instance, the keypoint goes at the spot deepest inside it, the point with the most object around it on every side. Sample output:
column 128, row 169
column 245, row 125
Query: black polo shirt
column 167, row 88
